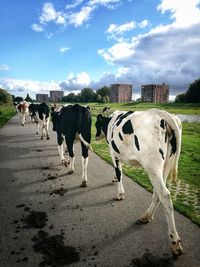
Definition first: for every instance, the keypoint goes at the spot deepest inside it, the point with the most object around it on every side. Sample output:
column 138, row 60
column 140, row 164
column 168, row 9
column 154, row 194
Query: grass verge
column 7, row 111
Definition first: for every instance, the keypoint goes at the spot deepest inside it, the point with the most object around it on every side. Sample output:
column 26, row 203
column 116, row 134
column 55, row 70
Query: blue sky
column 69, row 45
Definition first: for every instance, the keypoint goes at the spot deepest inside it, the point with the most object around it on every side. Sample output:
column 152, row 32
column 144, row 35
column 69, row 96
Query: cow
column 42, row 114
column 72, row 122
column 22, row 109
column 152, row 140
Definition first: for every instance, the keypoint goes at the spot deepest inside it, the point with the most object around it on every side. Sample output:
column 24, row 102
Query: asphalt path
column 47, row 219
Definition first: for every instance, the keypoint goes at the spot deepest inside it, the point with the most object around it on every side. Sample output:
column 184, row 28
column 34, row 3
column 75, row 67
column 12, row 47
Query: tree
column 104, row 92
column 5, row 97
column 28, row 98
column 192, row 95
column 180, row 98
column 18, row 99
column 88, row 95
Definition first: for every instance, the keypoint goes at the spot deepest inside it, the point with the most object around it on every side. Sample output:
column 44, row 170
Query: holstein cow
column 151, row 139
column 22, row 109
column 42, row 113
column 72, row 122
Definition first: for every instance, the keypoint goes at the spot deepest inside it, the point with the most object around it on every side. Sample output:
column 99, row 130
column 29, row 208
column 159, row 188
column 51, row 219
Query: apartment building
column 42, row 98
column 120, row 93
column 56, row 96
column 155, row 93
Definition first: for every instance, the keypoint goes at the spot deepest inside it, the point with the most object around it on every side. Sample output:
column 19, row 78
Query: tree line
column 102, row 95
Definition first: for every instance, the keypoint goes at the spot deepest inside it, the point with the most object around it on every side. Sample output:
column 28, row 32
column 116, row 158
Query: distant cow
column 22, row 109
column 72, row 122
column 42, row 112
column 151, row 139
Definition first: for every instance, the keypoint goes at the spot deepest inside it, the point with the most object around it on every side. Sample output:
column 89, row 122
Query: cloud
column 64, row 49
column 67, row 17
column 167, row 53
column 75, row 82
column 4, row 67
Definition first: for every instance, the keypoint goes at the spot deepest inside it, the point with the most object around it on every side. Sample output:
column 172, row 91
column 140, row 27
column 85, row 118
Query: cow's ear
column 88, row 107
column 99, row 117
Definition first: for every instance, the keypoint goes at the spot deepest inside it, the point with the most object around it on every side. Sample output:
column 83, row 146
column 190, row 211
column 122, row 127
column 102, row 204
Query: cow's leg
column 70, row 144
column 23, row 118
column 165, row 199
column 61, row 148
column 148, row 216
column 38, row 127
column 84, row 165
column 47, row 128
column 118, row 172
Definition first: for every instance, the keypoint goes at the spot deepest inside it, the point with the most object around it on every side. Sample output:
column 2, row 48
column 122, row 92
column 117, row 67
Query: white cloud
column 64, row 49
column 75, row 82
column 120, row 29
column 78, row 18
column 144, row 23
column 75, row 4
column 37, row 27
column 183, row 13
column 4, row 67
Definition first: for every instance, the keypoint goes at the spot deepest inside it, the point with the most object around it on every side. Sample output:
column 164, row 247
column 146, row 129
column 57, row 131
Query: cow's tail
column 85, row 142
column 174, row 129
column 76, row 106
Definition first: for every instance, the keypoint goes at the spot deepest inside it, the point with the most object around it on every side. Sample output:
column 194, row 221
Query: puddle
column 54, row 251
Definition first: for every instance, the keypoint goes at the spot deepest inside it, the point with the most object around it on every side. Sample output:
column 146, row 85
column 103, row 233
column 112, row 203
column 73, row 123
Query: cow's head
column 101, row 126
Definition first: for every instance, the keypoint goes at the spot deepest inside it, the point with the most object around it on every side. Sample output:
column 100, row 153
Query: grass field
column 6, row 112
column 186, row 193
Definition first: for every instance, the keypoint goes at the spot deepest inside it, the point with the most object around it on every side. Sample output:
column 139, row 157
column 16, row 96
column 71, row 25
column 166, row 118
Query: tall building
column 42, row 98
column 120, row 93
column 56, row 96
column 157, row 93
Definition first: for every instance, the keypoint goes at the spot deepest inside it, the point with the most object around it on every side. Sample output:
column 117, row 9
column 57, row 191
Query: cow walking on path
column 73, row 122
column 152, row 140
column 22, row 109
column 42, row 113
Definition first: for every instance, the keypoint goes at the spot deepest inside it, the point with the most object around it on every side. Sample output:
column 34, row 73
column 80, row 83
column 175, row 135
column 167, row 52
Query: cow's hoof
column 48, row 137
column 114, row 180
column 42, row 137
column 84, row 184
column 120, row 197
column 176, row 248
column 145, row 219
column 22, row 124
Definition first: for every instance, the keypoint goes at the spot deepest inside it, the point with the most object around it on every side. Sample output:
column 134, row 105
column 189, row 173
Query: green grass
column 187, row 201
column 7, row 111
column 177, row 108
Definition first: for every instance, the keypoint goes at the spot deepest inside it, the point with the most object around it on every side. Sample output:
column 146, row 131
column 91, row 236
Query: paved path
column 45, row 213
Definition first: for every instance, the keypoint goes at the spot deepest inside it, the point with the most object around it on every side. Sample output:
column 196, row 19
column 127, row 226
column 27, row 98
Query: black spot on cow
column 173, row 143
column 127, row 128
column 161, row 152
column 137, row 142
column 115, row 147
column 123, row 117
column 120, row 136
column 162, row 124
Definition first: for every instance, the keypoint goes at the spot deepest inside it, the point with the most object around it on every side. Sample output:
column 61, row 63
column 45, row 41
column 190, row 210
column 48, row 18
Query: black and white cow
column 41, row 113
column 32, row 112
column 151, row 139
column 72, row 122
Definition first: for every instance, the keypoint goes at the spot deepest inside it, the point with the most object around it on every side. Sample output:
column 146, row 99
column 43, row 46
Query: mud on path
column 47, row 219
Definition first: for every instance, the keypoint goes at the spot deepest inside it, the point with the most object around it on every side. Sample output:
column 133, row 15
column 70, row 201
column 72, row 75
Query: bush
column 5, row 97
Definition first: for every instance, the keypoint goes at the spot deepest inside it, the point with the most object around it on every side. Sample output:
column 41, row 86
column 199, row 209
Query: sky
column 70, row 45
